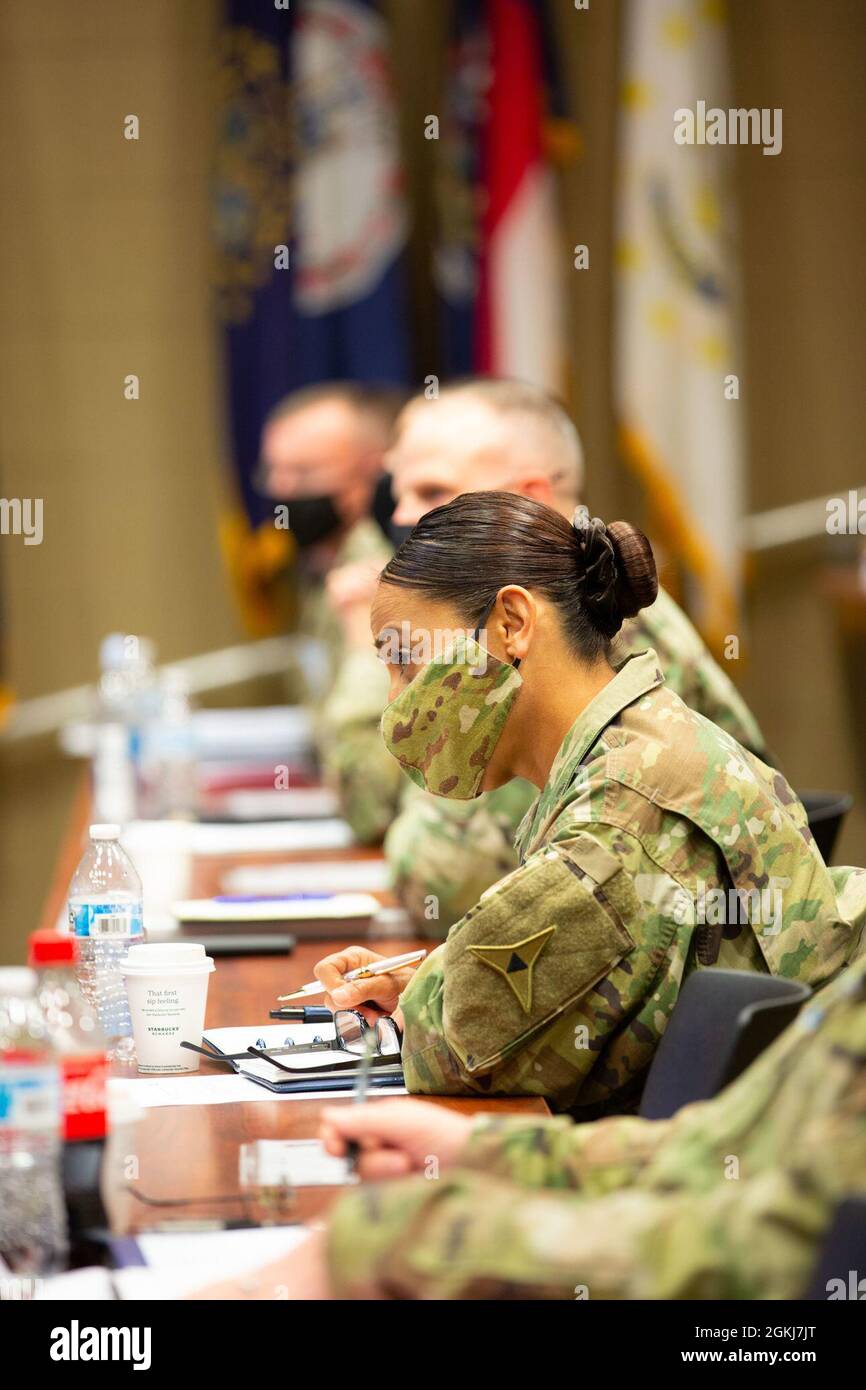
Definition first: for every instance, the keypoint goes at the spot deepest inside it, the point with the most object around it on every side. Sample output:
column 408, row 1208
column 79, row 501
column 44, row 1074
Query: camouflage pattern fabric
column 443, row 855
column 728, row 1199
column 444, row 727
column 658, row 845
column 689, row 669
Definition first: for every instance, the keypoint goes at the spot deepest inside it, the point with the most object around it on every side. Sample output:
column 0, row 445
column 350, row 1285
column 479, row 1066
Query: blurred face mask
column 312, row 519
column 398, row 533
column 444, row 727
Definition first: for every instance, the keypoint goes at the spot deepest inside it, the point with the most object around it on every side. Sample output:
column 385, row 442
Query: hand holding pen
column 383, row 988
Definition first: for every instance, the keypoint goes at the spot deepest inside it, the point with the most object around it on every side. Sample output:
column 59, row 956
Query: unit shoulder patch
column 515, row 963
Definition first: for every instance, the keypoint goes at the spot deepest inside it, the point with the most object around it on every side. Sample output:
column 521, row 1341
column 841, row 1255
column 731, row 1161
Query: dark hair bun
column 618, row 572
column 637, row 579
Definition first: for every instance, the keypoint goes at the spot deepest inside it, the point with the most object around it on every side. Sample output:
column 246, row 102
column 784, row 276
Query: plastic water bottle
column 78, row 1040
column 74, row 1031
column 127, row 698
column 168, row 752
column 32, row 1213
column 106, row 917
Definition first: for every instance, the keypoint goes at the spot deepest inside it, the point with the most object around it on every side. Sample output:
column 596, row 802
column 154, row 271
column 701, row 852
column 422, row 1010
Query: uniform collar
column 635, row 677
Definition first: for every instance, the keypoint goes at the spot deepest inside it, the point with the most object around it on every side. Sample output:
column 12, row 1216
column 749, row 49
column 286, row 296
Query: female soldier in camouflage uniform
column 657, row 844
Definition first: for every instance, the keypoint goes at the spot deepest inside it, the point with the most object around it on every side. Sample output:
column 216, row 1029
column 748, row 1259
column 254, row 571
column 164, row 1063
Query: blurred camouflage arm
column 690, row 669
column 595, row 1158
column 356, row 762
column 444, row 854
column 850, row 886
column 467, row 1236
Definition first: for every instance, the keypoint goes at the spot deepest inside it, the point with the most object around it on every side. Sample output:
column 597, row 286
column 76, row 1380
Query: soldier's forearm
column 594, row 1158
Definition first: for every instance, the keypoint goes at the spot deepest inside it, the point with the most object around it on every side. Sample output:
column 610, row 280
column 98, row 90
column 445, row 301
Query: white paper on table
column 179, row 1264
column 266, row 729
column 229, row 1088
column 151, row 1091
column 340, row 906
column 339, row 876
column 269, row 1035
column 293, row 803
column 259, row 837
column 147, row 1092
column 90, row 1284
column 179, row 837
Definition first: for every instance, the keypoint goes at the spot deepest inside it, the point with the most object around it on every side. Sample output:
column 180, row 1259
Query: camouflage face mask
column 443, row 728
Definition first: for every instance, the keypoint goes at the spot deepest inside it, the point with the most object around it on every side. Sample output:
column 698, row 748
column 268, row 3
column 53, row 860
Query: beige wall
column 103, row 250
column 803, row 220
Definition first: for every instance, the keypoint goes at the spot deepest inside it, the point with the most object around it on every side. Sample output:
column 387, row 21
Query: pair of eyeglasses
column 354, row 1035
column 351, row 1029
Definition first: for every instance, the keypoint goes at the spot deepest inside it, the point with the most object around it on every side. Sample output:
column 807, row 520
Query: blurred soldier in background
column 322, row 458
column 478, row 436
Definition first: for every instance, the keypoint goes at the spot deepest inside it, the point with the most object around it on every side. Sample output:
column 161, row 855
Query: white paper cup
column 166, row 985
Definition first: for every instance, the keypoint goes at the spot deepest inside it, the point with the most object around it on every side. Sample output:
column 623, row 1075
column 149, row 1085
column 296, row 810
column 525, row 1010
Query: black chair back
column 826, row 812
column 722, row 1021
column 841, row 1264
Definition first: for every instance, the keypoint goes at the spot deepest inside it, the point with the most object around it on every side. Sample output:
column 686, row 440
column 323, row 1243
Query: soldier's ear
column 515, row 620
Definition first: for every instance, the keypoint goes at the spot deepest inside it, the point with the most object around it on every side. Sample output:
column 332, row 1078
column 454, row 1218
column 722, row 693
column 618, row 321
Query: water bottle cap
column 105, row 832
column 49, row 947
column 17, row 980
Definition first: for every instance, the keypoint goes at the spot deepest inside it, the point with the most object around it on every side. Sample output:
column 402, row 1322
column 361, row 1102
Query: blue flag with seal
column 311, row 231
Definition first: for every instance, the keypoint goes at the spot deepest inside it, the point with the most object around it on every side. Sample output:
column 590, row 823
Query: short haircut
column 543, row 415
column 378, row 405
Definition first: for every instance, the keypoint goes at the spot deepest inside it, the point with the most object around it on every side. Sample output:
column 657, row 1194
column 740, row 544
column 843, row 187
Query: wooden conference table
column 188, row 1156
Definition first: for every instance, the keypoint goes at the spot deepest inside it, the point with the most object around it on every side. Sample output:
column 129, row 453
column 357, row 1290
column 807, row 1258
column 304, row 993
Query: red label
column 84, row 1094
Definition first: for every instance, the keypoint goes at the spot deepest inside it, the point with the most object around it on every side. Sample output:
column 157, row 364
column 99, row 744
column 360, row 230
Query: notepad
column 177, row 1265
column 255, row 837
column 230, row 1087
column 289, row 908
column 313, row 876
column 156, row 1092
column 270, row 731
column 294, row 803
column 259, row 837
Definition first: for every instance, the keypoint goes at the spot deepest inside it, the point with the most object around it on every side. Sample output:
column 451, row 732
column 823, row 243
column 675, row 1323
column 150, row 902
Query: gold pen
column 363, row 972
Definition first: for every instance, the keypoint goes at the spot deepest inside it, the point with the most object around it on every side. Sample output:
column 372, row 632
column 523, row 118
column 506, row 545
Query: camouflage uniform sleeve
column 444, row 854
column 850, row 885
column 593, row 1158
column 356, row 762
column 525, row 993
column 794, row 1123
column 469, row 1236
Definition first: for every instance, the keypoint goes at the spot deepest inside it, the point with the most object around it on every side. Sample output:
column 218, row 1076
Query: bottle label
column 30, row 1099
column 84, row 1096
column 105, row 919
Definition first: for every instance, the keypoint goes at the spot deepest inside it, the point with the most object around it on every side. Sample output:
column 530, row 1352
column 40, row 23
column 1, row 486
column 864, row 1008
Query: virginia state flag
column 502, row 258
column 676, row 299
column 311, row 231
